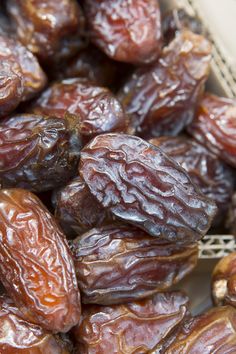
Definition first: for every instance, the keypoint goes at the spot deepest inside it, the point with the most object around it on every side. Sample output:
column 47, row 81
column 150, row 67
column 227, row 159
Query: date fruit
column 95, row 109
column 116, row 264
column 211, row 332
column 130, row 328
column 36, row 266
column 211, row 175
column 215, row 126
column 224, row 281
column 231, row 217
column 76, row 209
column 126, row 30
column 36, row 152
column 141, row 185
column 20, row 336
column 162, row 99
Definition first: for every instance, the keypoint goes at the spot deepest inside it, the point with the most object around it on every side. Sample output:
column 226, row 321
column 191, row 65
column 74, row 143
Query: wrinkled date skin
column 50, row 29
column 139, row 184
column 212, row 332
column 132, row 328
column 36, row 152
column 95, row 109
column 36, row 266
column 126, row 30
column 231, row 217
column 224, row 281
column 20, row 336
column 161, row 99
column 116, row 264
column 211, row 175
column 76, row 209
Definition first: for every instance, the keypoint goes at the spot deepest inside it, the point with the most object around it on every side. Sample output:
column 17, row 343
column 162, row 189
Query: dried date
column 117, row 264
column 162, row 99
column 231, row 217
column 132, row 328
column 126, row 30
column 139, row 184
column 215, row 126
column 36, row 266
column 36, row 152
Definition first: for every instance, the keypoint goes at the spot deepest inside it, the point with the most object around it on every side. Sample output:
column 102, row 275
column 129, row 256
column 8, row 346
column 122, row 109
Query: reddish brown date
column 126, row 30
column 132, row 328
column 36, row 266
column 224, row 281
column 20, row 336
column 36, row 152
column 161, row 99
column 139, row 184
column 95, row 109
column 231, row 217
column 50, row 29
column 76, row 209
column 212, row 332
column 215, row 126
column 211, row 175
column 117, row 264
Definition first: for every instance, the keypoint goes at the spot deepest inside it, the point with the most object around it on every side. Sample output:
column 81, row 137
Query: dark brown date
column 139, row 184
column 117, row 264
column 132, row 328
column 50, row 29
column 76, row 209
column 215, row 126
column 126, row 30
column 20, row 336
column 36, row 266
column 224, row 281
column 36, row 152
column 95, row 109
column 211, row 175
column 212, row 332
column 231, row 217
column 161, row 99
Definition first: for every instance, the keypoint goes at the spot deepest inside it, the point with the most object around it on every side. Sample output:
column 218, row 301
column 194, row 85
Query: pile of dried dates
column 114, row 163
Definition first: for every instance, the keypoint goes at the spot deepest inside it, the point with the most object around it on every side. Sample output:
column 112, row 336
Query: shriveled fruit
column 36, row 266
column 139, row 184
column 117, row 264
column 231, row 217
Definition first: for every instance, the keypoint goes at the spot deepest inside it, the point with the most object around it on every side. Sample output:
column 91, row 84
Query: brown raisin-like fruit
column 95, row 109
column 76, row 209
column 231, row 217
column 131, row 328
column 161, row 99
column 126, row 30
column 36, row 152
column 22, row 337
column 211, row 332
column 116, row 264
column 211, row 175
column 50, row 29
column 140, row 184
column 215, row 126
column 36, row 266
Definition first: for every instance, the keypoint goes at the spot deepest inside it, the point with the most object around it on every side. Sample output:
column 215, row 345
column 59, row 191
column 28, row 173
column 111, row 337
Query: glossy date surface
column 36, row 266
column 130, row 328
column 139, row 184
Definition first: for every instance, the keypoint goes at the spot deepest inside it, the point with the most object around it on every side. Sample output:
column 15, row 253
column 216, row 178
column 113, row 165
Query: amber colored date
column 36, row 152
column 211, row 332
column 20, row 336
column 162, row 99
column 215, row 126
column 116, row 264
column 95, row 109
column 130, row 328
column 76, row 209
column 214, row 178
column 139, row 184
column 231, row 217
column 36, row 266
column 126, row 30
